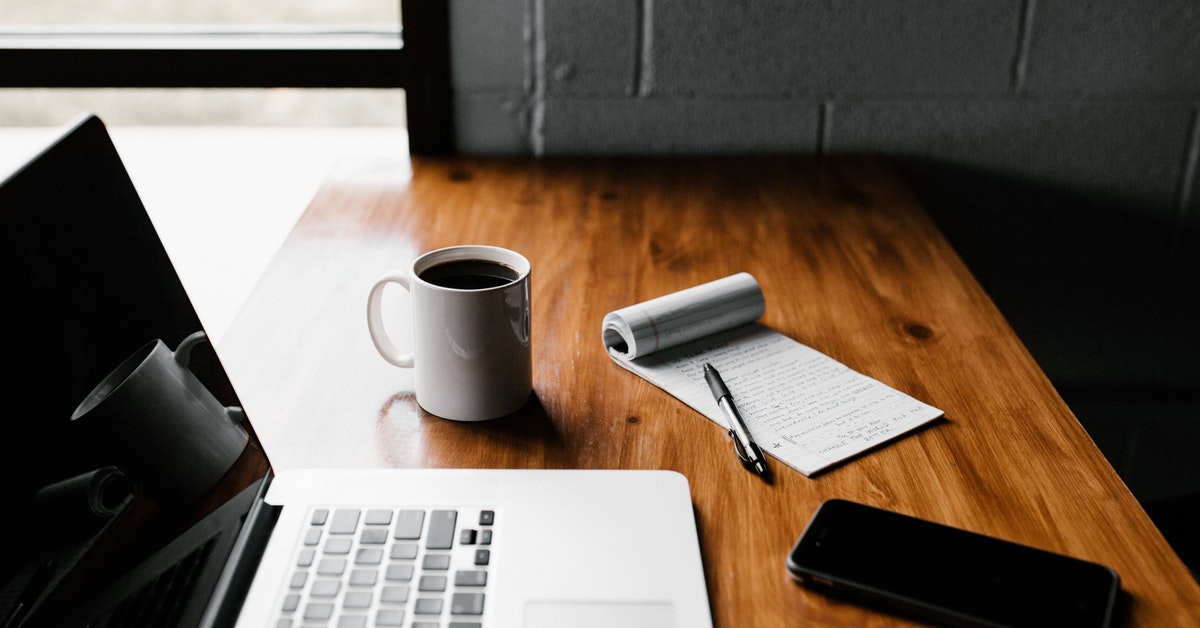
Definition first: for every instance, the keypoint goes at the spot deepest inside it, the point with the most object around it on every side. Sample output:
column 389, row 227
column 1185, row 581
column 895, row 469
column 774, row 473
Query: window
column 141, row 45
column 92, row 13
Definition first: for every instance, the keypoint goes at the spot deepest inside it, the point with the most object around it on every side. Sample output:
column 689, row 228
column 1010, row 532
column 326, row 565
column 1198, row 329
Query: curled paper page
column 681, row 317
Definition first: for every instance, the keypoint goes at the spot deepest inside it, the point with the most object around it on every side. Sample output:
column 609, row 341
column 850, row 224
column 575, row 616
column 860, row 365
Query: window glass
column 206, row 107
column 190, row 107
column 244, row 12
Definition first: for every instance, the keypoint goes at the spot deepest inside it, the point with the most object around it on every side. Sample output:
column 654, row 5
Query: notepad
column 802, row 407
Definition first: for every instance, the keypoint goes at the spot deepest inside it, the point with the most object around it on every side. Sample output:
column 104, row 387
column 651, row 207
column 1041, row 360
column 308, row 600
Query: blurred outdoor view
column 87, row 12
column 193, row 107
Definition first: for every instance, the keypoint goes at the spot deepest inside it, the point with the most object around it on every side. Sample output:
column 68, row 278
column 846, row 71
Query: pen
column 747, row 451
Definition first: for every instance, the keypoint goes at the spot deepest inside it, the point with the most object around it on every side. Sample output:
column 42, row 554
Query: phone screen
column 947, row 574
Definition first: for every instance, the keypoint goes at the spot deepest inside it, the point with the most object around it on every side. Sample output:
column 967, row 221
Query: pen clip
column 739, row 449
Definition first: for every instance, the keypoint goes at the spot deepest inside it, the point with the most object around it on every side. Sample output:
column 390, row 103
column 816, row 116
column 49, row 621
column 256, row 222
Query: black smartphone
column 947, row 575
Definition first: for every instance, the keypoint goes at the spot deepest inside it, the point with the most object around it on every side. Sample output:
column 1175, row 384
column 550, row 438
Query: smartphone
column 947, row 575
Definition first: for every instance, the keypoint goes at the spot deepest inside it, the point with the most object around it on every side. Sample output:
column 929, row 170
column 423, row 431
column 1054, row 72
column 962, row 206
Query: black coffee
column 472, row 274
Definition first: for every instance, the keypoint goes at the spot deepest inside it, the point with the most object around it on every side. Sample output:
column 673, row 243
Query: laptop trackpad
column 600, row 614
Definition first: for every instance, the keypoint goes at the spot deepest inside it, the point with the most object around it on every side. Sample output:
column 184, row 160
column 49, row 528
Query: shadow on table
column 1106, row 297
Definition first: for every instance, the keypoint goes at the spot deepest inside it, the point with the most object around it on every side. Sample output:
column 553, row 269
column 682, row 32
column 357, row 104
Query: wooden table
column 850, row 265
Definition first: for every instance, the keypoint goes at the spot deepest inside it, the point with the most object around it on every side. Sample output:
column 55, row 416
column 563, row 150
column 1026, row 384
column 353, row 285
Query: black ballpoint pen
column 743, row 444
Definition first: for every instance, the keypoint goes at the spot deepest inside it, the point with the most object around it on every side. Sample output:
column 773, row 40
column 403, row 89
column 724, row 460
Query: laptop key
column 363, row 577
column 389, row 617
column 317, row 610
column 357, row 600
column 338, row 545
column 437, row 562
column 345, row 521
column 409, row 524
column 373, row 536
column 404, row 551
column 352, row 621
column 398, row 573
column 428, row 606
column 368, row 556
column 331, row 566
column 325, row 588
column 467, row 604
column 470, row 578
column 378, row 517
column 394, row 594
column 431, row 584
column 441, row 529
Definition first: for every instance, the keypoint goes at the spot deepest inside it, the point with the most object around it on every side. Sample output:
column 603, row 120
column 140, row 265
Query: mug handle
column 379, row 335
column 183, row 355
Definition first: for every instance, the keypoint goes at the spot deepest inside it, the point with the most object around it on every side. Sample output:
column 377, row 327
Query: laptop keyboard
column 377, row 567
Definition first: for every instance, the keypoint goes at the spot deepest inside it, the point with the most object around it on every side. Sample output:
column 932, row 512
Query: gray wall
column 1093, row 95
column 1056, row 141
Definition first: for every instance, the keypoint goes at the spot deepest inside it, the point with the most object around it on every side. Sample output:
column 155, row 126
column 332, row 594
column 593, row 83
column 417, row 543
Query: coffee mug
column 471, row 335
column 161, row 425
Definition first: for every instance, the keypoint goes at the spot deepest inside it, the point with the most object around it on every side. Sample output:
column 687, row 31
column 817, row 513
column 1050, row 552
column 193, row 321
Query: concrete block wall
column 1099, row 99
column 1097, row 96
column 1056, row 141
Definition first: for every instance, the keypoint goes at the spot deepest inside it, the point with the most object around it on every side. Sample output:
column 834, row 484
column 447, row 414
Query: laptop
column 86, row 282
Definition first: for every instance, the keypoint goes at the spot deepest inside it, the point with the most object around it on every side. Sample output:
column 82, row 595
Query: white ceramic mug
column 471, row 334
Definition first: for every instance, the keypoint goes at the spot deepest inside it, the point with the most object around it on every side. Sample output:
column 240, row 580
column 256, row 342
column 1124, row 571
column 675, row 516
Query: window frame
column 414, row 57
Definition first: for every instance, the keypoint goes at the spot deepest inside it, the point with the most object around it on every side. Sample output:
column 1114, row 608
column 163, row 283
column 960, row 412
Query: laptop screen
column 87, row 285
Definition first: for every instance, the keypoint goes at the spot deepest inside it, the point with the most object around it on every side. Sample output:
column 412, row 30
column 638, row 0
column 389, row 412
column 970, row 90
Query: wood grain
column 850, row 264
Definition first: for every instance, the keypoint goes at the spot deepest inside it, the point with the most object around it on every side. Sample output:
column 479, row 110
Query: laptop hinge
column 231, row 587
